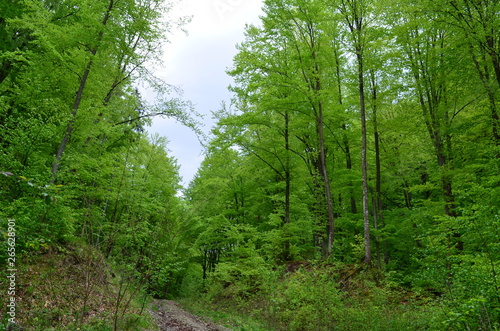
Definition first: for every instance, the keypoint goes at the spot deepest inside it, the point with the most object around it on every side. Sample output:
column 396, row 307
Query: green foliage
column 238, row 279
column 307, row 299
column 241, row 271
column 193, row 284
column 75, row 161
column 472, row 313
column 40, row 219
column 432, row 136
column 281, row 180
column 166, row 276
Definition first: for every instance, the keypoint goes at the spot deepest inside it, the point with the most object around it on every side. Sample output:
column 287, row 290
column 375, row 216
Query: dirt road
column 170, row 316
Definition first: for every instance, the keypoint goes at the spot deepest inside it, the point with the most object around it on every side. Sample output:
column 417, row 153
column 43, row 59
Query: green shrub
column 305, row 300
column 192, row 283
column 238, row 279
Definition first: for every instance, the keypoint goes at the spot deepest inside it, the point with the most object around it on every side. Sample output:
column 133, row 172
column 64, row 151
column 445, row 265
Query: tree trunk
column 319, row 114
column 377, row 203
column 79, row 94
column 287, row 186
column 353, row 12
column 364, row 163
column 328, row 193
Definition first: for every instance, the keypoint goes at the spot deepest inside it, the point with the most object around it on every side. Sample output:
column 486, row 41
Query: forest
column 352, row 183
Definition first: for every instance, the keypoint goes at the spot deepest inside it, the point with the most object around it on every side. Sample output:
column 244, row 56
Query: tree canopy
column 363, row 138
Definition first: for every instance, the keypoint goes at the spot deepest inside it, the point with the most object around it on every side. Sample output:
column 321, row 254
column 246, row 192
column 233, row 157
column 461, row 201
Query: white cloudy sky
column 197, row 63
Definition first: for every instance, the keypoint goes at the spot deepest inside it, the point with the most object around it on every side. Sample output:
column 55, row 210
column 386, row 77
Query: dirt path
column 170, row 316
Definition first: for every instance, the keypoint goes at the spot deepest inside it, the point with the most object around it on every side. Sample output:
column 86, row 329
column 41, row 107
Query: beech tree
column 356, row 15
column 131, row 30
column 427, row 49
column 478, row 24
column 302, row 29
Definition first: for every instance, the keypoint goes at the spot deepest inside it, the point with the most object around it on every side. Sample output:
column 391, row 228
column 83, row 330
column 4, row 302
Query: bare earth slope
column 170, row 316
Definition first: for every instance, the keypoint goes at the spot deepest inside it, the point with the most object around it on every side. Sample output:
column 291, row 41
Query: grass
column 225, row 316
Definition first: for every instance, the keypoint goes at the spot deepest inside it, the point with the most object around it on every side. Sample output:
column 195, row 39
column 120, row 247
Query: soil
column 170, row 316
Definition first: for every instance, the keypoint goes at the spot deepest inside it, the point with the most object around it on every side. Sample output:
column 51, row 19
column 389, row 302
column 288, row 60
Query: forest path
column 171, row 317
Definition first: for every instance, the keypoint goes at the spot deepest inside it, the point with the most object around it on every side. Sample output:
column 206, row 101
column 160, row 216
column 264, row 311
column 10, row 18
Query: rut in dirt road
column 170, row 316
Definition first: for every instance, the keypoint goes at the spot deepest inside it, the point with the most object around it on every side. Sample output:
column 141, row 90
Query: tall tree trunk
column 354, row 11
column 287, row 185
column 326, row 180
column 377, row 203
column 79, row 93
column 316, row 86
column 348, row 161
column 69, row 128
column 364, row 163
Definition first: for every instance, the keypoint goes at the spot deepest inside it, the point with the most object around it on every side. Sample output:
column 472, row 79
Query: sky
column 197, row 63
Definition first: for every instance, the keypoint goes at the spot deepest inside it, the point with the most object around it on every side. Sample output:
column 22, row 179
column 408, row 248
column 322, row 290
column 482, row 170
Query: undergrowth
column 317, row 297
column 72, row 287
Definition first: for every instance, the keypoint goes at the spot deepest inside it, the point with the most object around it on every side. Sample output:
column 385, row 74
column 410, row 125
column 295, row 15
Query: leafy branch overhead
column 174, row 108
